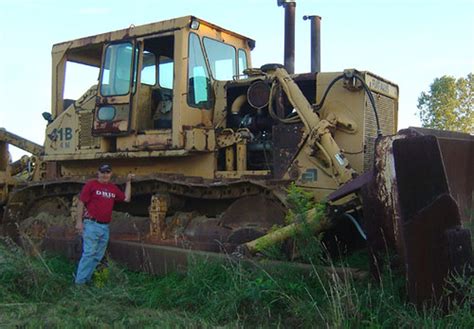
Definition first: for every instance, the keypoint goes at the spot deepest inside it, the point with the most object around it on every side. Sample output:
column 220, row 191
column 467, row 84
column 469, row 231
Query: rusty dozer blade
column 408, row 205
column 457, row 152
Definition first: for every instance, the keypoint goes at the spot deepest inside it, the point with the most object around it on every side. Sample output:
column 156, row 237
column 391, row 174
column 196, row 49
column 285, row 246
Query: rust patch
column 286, row 141
column 457, row 151
column 253, row 211
column 427, row 250
column 408, row 206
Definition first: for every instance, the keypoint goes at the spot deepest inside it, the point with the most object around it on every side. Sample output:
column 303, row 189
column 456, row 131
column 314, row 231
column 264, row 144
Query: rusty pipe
column 315, row 42
column 289, row 56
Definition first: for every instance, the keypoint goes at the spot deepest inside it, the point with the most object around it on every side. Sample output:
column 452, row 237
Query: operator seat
column 162, row 106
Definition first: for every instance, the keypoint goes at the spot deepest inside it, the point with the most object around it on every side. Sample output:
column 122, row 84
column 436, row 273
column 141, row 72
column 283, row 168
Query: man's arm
column 128, row 188
column 80, row 213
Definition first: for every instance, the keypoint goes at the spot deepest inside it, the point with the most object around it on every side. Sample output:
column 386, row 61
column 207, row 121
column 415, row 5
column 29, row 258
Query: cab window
column 148, row 74
column 117, row 68
column 199, row 84
column 242, row 61
column 166, row 74
column 221, row 59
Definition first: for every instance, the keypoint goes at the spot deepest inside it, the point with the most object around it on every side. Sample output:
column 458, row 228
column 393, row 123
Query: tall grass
column 39, row 293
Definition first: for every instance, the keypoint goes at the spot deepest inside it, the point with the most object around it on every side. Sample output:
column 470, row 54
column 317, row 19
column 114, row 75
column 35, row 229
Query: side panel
column 354, row 105
column 198, row 165
column 62, row 134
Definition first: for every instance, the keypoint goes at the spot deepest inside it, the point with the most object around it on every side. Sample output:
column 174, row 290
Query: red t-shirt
column 99, row 199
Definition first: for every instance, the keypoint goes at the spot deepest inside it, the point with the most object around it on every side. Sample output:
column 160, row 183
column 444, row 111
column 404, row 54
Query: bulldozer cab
column 155, row 82
column 123, row 83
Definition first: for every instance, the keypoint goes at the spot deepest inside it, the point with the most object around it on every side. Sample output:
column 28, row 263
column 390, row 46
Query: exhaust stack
column 315, row 42
column 289, row 57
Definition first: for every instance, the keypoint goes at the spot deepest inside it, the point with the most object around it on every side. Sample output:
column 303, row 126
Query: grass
column 39, row 293
column 470, row 226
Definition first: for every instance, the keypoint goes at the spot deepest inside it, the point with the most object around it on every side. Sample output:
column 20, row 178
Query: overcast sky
column 407, row 42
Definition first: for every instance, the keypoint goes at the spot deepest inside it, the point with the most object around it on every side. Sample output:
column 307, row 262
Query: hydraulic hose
column 317, row 107
column 356, row 224
column 372, row 101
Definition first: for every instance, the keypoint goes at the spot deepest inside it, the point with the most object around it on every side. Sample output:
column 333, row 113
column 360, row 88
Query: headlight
column 106, row 113
column 194, row 24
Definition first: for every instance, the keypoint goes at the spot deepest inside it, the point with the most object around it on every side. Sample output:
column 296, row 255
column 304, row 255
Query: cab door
column 117, row 84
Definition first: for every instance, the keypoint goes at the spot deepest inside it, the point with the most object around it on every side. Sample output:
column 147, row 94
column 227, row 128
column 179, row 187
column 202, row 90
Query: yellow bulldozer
column 215, row 143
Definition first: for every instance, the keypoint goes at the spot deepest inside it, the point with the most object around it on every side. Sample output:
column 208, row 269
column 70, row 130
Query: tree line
column 448, row 104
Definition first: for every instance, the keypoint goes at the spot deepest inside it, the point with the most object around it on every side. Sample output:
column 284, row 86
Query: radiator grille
column 86, row 140
column 386, row 108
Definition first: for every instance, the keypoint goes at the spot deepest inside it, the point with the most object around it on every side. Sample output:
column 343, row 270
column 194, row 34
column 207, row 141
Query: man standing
column 98, row 196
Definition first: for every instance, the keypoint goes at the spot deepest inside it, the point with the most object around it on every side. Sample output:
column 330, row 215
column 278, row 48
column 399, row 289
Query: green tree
column 448, row 105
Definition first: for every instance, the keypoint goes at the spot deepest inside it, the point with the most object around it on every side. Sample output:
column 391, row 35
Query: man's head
column 105, row 172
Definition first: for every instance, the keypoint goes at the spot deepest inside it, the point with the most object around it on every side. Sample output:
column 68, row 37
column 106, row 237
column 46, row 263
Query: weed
column 37, row 293
column 303, row 219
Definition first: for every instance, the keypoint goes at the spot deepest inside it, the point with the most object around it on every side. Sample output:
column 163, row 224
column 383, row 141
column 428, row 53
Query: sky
column 407, row 42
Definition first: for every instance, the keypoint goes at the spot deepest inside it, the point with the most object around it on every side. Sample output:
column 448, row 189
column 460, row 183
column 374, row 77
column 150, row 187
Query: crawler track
column 208, row 199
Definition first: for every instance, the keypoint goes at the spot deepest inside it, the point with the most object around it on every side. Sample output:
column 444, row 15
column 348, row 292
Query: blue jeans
column 95, row 238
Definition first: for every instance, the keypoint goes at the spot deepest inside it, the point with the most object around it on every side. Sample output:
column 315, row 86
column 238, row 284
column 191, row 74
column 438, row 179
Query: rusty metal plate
column 257, row 211
column 408, row 205
column 457, row 151
column 155, row 259
column 427, row 211
column 202, row 229
column 427, row 260
column 459, row 249
column 71, row 247
column 419, row 172
column 286, row 140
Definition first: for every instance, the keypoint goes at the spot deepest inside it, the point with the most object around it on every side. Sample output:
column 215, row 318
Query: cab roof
column 141, row 31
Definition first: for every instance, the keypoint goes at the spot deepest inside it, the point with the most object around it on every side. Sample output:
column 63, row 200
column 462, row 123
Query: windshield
column 199, row 84
column 221, row 59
